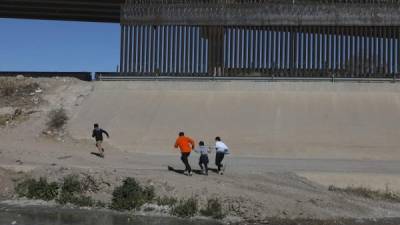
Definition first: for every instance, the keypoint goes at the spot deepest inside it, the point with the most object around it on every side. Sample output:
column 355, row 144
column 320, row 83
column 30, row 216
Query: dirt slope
column 275, row 134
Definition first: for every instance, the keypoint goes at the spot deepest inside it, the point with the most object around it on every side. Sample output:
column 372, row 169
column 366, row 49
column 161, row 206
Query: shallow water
column 41, row 215
column 60, row 216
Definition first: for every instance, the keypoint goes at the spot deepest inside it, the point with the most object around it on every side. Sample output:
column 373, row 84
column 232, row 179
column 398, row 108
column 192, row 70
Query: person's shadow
column 97, row 154
column 196, row 171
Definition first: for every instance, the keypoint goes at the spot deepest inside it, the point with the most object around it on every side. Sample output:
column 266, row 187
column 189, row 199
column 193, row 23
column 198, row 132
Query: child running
column 203, row 161
column 98, row 135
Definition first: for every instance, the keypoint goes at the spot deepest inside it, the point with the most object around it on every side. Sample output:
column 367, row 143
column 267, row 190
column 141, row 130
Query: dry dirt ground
column 278, row 182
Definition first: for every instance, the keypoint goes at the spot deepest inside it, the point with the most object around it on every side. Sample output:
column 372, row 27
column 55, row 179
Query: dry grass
column 213, row 209
column 10, row 119
column 13, row 87
column 368, row 193
column 8, row 87
column 185, row 208
column 4, row 119
column 19, row 93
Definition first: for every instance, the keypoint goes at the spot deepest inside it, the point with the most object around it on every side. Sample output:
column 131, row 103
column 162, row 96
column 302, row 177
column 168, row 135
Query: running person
column 221, row 149
column 203, row 160
column 98, row 135
column 186, row 145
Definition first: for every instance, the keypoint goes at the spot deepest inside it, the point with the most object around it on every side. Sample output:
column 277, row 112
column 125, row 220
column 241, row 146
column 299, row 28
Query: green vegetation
column 213, row 209
column 57, row 119
column 40, row 189
column 185, row 208
column 168, row 201
column 72, row 191
column 71, row 184
column 78, row 200
column 100, row 204
column 131, row 195
column 367, row 193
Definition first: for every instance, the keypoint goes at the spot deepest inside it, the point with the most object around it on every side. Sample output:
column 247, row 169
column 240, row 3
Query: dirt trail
column 253, row 187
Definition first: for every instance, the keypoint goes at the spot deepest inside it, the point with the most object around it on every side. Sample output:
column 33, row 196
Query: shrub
column 100, row 204
column 40, row 189
column 57, row 118
column 169, row 201
column 88, row 183
column 185, row 208
column 7, row 87
column 71, row 184
column 149, row 193
column 72, row 190
column 131, row 195
column 65, row 198
column 213, row 209
column 82, row 200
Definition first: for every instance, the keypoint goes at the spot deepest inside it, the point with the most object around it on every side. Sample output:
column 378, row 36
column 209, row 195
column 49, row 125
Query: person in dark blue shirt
column 98, row 135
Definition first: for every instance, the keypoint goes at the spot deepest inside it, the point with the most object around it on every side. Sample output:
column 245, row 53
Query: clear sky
column 41, row 45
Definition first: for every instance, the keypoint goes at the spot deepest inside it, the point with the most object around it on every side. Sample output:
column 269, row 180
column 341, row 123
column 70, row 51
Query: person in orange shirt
column 186, row 145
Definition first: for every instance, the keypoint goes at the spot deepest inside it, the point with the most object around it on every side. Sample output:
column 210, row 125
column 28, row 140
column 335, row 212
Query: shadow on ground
column 180, row 171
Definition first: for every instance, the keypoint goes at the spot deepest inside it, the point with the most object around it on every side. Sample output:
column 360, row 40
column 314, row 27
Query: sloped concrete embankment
column 295, row 120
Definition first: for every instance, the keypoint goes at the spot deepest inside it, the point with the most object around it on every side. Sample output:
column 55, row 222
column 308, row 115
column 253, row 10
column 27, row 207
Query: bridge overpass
column 74, row 10
column 288, row 38
column 206, row 12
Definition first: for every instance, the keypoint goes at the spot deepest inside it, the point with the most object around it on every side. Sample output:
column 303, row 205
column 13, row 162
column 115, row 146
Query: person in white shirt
column 221, row 149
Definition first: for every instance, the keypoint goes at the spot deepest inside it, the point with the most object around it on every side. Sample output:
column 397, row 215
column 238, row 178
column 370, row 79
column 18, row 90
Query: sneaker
column 221, row 172
column 186, row 173
column 190, row 173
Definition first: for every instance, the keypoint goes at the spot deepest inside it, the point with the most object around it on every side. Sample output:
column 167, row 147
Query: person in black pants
column 98, row 135
column 219, row 156
column 185, row 160
column 186, row 145
column 221, row 149
column 203, row 160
